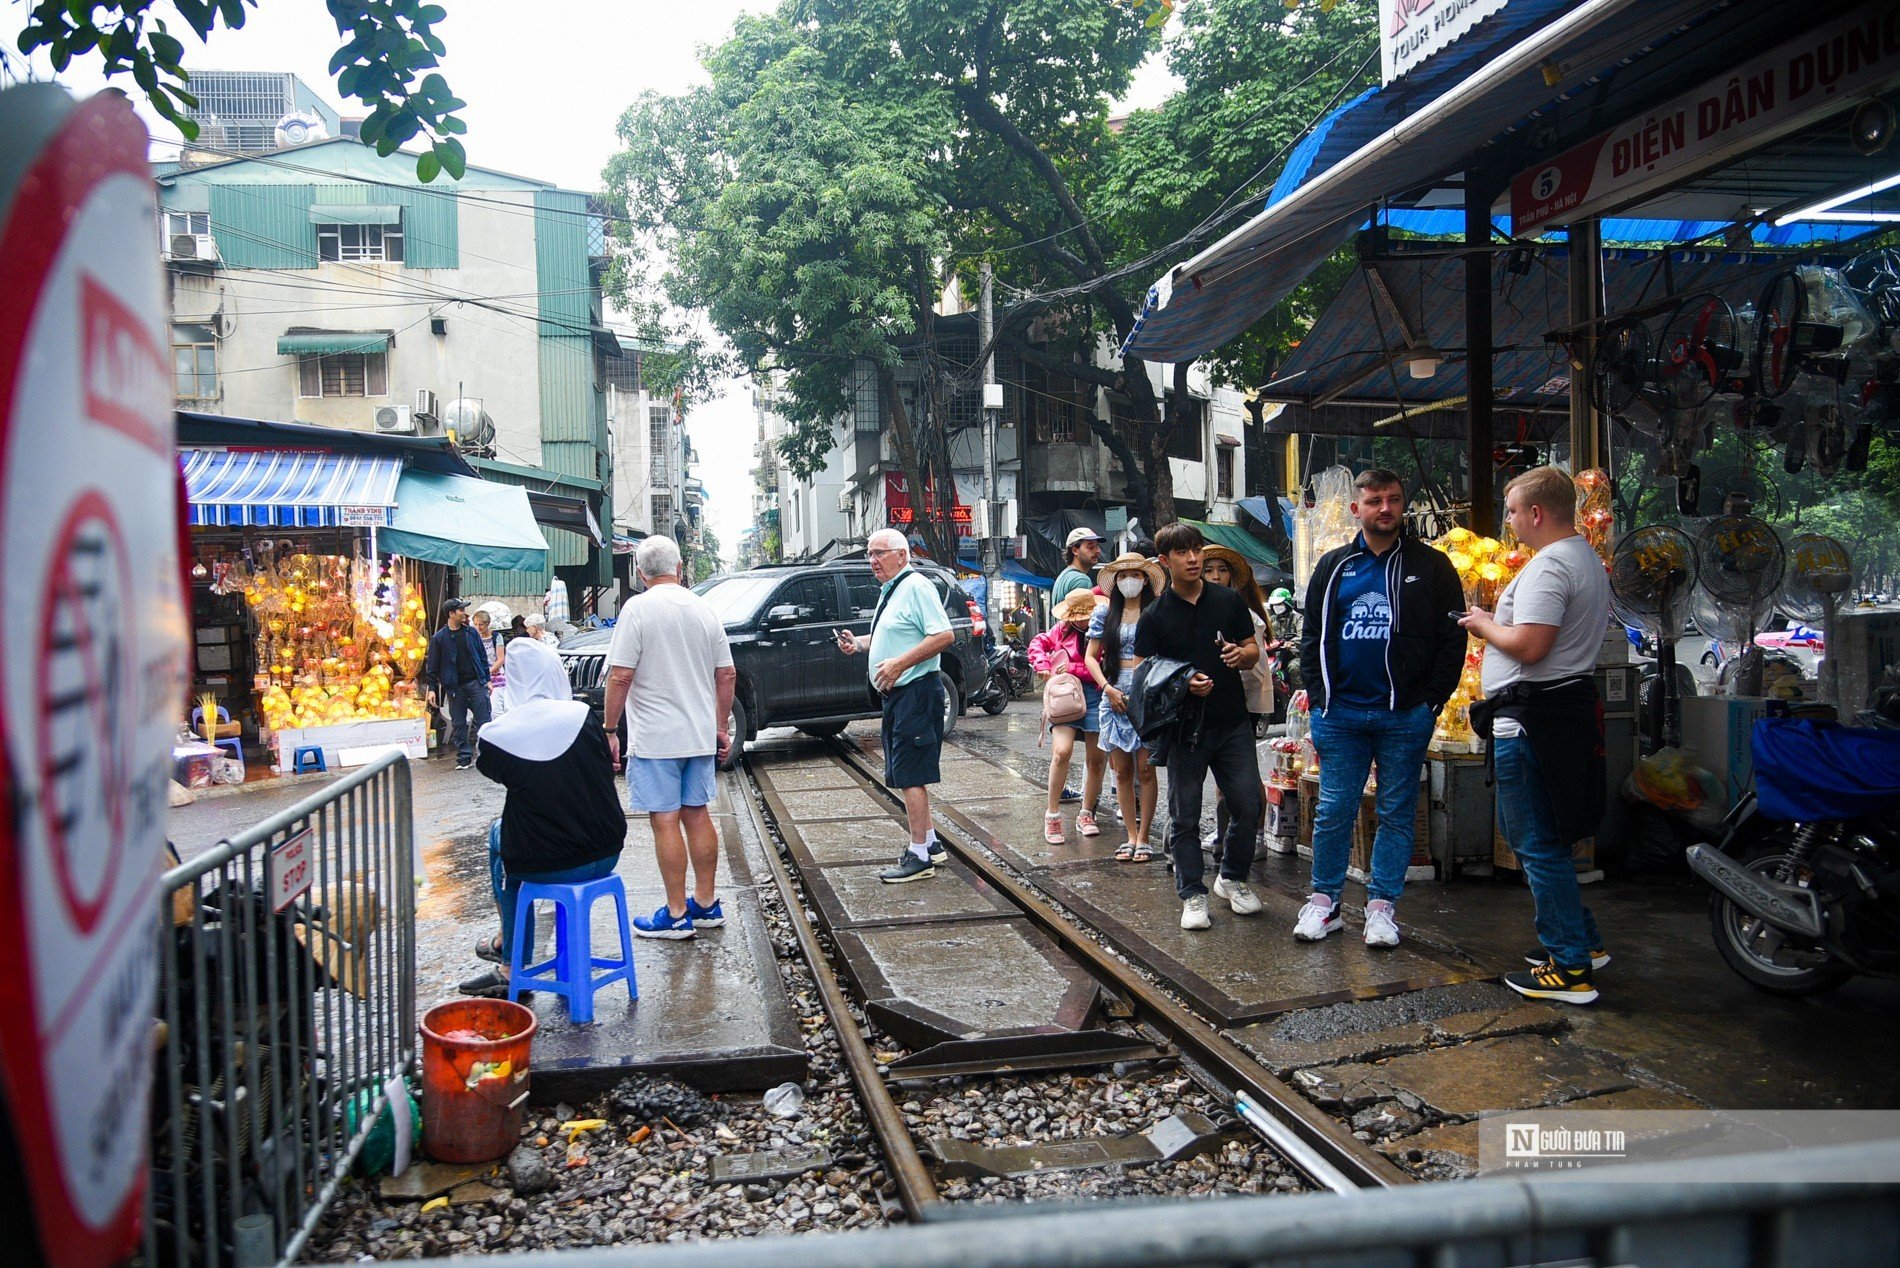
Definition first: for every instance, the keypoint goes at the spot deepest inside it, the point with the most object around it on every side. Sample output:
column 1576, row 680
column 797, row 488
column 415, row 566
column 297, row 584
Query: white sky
column 543, row 98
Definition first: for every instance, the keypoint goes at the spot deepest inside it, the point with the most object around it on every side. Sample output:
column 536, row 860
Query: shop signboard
column 90, row 496
column 902, row 514
column 1413, row 31
column 362, row 516
column 1801, row 82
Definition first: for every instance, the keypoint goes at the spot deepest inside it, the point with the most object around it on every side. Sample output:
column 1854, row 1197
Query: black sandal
column 490, row 949
column 489, row 985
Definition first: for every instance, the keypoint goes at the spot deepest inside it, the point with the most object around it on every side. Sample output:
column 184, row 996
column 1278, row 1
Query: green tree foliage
column 1256, row 75
column 386, row 59
column 705, row 556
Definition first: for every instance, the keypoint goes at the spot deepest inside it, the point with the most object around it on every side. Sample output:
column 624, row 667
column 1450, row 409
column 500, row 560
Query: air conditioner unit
column 425, row 402
column 193, row 246
column 395, row 420
column 844, row 501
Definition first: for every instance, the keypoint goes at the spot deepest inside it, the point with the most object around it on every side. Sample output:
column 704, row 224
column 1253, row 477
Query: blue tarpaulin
column 1808, row 771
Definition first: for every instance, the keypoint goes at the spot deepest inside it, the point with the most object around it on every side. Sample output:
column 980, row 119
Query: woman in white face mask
column 1132, row 582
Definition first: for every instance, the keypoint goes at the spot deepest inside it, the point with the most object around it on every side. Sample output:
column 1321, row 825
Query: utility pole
column 992, row 392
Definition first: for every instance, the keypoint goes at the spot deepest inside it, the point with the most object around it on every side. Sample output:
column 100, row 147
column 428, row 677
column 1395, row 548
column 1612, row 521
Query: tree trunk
column 1150, row 440
column 916, row 472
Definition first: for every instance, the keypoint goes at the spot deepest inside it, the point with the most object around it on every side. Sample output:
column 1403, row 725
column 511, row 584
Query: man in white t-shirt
column 1546, row 724
column 671, row 667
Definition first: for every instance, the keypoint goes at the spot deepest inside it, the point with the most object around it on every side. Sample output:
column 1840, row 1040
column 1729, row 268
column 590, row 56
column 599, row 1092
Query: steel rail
column 916, row 1189
column 1311, row 1139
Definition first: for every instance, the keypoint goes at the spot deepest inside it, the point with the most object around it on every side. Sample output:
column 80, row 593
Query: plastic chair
column 231, row 742
column 308, row 758
column 570, row 971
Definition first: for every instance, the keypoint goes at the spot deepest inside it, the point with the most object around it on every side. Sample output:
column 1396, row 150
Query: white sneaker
column 1317, row 920
column 1239, row 896
column 1194, row 913
column 1381, row 929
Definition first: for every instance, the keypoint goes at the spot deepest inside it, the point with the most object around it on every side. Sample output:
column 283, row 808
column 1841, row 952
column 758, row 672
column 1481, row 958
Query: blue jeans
column 1349, row 739
column 507, row 885
column 468, row 710
column 1564, row 925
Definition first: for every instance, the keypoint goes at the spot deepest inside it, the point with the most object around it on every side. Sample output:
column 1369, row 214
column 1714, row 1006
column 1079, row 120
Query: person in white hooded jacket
column 562, row 821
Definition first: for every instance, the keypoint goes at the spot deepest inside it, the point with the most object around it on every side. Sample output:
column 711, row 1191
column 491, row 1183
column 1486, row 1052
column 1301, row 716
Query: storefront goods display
column 1595, row 520
column 1327, row 523
column 1485, row 565
column 339, row 639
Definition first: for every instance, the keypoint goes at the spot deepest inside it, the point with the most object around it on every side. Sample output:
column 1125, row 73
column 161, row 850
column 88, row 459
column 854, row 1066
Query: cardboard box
column 1309, row 803
column 1583, row 853
column 1285, row 816
column 1365, row 830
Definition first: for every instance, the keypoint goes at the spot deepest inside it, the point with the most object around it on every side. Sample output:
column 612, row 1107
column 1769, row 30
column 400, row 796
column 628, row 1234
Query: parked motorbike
column 1009, row 677
column 1807, row 875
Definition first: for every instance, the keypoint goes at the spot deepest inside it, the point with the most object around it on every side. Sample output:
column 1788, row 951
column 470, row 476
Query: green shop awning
column 355, row 214
column 329, row 343
column 464, row 523
column 1237, row 539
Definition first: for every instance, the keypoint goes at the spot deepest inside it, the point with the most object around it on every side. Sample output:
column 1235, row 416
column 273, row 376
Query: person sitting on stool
column 562, row 822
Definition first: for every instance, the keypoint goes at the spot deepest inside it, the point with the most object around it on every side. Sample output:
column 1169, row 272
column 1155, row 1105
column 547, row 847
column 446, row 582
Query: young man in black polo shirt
column 1209, row 627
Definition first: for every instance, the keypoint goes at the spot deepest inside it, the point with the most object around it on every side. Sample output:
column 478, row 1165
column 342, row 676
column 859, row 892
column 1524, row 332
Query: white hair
column 657, row 557
column 889, row 538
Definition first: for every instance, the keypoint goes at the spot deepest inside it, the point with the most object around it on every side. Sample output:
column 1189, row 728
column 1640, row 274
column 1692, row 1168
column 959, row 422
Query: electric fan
column 1819, row 572
column 1742, row 566
column 1651, row 576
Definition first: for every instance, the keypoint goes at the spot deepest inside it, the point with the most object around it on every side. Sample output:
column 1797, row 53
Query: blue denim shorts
column 661, row 784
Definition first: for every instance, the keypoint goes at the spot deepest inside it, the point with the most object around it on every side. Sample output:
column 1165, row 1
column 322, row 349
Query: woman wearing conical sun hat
column 1132, row 582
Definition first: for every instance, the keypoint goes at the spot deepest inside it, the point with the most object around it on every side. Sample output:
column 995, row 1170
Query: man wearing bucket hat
column 1381, row 652
column 1081, row 552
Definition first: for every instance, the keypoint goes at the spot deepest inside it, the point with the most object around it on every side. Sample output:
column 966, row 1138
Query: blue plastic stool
column 570, row 973
column 307, row 758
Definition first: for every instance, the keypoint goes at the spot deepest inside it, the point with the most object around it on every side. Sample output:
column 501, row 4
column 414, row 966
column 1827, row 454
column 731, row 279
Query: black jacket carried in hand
column 1159, row 702
column 1426, row 652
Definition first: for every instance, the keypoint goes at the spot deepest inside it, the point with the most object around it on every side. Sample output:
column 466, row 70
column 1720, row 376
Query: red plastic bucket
column 474, row 1078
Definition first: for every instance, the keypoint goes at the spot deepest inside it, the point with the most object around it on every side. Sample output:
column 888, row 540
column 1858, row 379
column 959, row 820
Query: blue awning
column 1013, row 570
column 1414, row 131
column 281, row 488
column 465, row 523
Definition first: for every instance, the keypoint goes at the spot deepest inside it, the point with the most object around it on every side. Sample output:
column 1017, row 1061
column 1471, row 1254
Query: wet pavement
column 711, row 1010
column 1420, row 1028
column 946, row 965
column 1673, row 1028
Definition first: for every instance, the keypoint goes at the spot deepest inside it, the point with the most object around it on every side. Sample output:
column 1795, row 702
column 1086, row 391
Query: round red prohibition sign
column 84, row 699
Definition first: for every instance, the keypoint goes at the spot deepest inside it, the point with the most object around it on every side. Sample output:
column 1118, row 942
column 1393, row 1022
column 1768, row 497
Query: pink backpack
column 1063, row 703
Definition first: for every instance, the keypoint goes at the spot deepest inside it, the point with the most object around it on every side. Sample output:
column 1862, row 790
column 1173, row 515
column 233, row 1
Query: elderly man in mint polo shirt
column 909, row 633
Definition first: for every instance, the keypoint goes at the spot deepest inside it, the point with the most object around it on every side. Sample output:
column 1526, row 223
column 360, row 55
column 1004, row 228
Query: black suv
column 779, row 619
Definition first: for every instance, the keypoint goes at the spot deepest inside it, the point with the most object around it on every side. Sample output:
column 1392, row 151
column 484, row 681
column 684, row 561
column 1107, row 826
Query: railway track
column 1313, row 1143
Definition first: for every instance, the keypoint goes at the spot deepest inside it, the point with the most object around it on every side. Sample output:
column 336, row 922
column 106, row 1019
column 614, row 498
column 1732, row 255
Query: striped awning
column 289, row 488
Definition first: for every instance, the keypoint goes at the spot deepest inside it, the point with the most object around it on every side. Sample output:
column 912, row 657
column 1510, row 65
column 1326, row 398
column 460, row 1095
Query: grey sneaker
column 1317, row 921
column 908, row 868
column 1381, row 929
column 1239, row 896
column 1194, row 913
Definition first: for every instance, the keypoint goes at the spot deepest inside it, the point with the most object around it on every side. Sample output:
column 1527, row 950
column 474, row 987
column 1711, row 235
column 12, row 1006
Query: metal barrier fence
column 286, row 1005
column 1793, row 1209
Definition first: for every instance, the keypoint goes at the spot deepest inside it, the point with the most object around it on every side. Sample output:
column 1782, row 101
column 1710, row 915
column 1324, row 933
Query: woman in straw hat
column 1061, row 648
column 1132, row 582
column 1225, row 566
